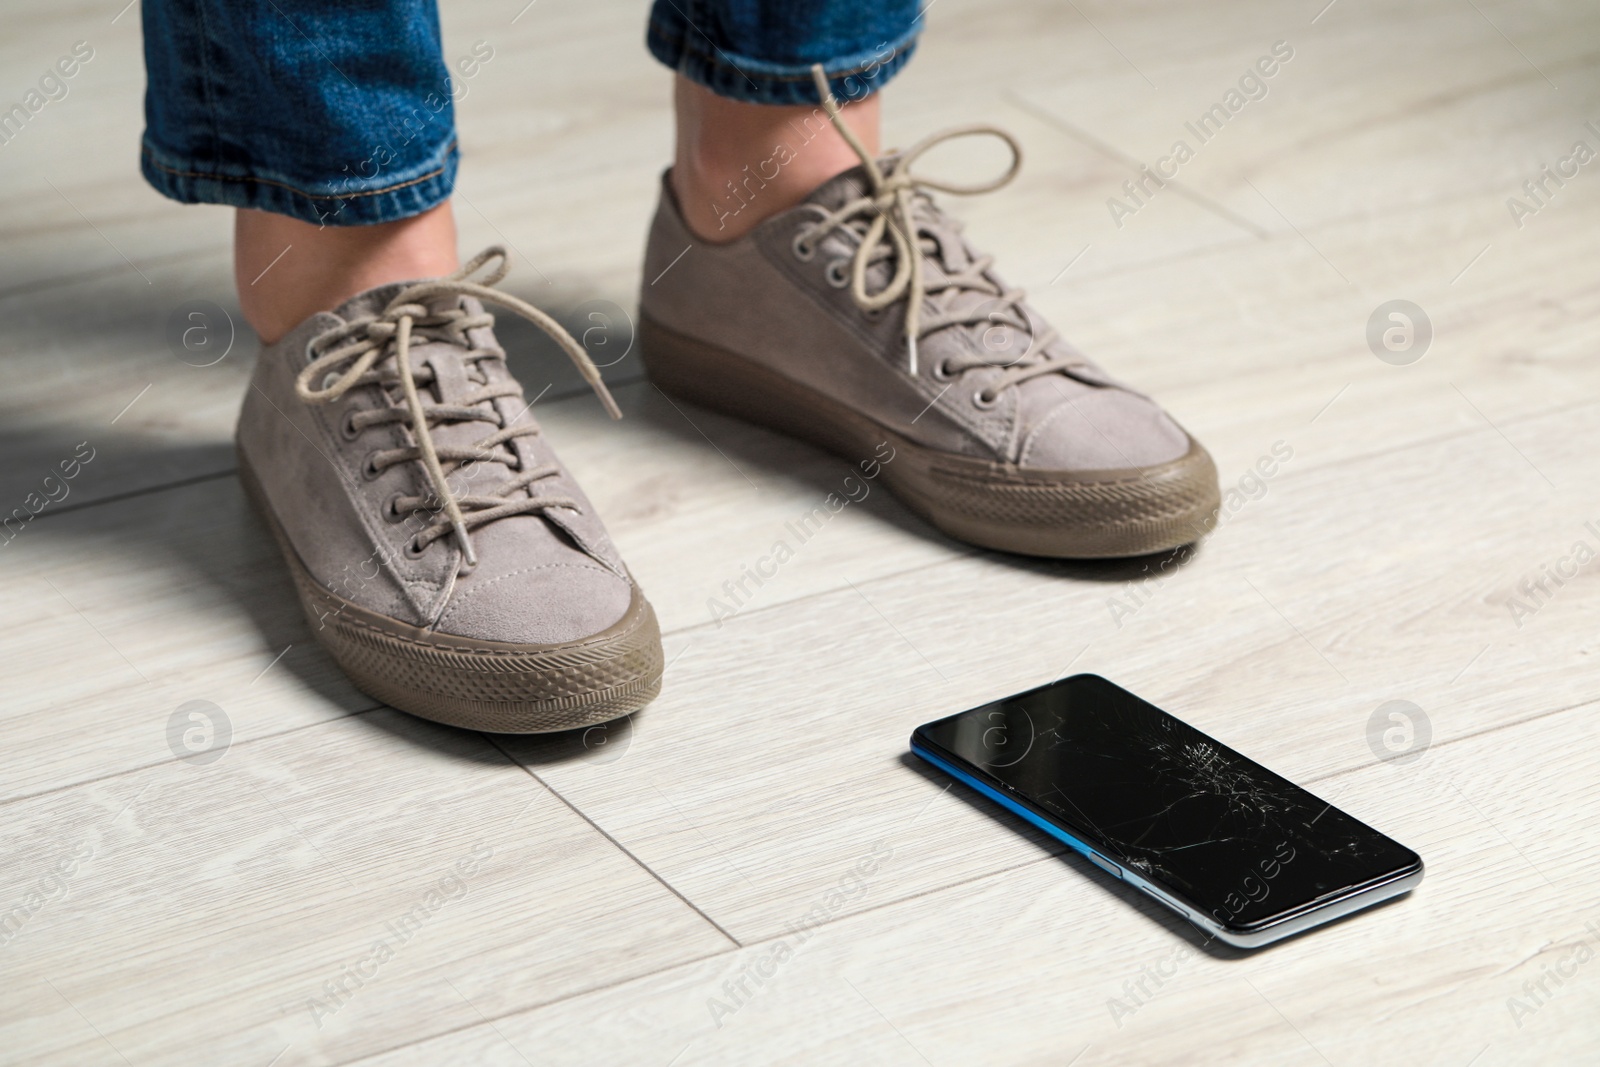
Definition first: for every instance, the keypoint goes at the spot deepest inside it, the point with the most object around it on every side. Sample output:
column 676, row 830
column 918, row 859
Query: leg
column 333, row 195
column 722, row 145
column 286, row 269
column 751, row 141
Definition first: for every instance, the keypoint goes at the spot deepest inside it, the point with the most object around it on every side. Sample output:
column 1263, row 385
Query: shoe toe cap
column 543, row 604
column 1103, row 429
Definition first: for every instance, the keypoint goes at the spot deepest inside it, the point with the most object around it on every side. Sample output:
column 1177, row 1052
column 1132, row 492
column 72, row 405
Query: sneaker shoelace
column 891, row 220
column 346, row 355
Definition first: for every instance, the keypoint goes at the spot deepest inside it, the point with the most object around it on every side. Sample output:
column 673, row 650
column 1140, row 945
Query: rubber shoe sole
column 480, row 685
column 1061, row 514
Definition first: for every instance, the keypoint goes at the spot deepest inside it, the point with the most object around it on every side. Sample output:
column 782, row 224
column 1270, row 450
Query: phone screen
column 1232, row 839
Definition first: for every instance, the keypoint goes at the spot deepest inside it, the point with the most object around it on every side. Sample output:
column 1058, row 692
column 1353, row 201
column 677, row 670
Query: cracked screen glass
column 1230, row 837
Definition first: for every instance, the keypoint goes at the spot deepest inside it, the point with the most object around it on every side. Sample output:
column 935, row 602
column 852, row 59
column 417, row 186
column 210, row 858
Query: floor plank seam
column 682, row 964
column 1115, row 154
column 580, row 813
column 1331, row 465
column 132, row 494
column 181, row 483
column 818, row 593
column 110, row 271
column 166, row 762
column 1495, row 728
column 483, row 1020
column 578, row 392
column 1324, row 777
column 829, row 592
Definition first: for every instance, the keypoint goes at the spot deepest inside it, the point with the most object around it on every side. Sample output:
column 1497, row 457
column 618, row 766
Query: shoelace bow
column 362, row 343
column 894, row 225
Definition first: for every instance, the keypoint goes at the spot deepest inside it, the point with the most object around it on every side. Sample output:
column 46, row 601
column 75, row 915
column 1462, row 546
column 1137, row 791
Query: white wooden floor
column 599, row 904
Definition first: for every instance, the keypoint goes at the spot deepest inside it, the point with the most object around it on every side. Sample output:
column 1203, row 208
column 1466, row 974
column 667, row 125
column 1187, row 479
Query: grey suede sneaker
column 443, row 554
column 823, row 323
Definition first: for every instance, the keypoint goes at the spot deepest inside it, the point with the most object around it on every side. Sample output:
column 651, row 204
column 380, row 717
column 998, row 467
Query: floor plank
column 303, row 894
column 127, row 611
column 1325, row 138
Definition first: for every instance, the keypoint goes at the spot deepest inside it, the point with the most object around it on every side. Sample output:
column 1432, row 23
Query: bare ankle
column 739, row 163
column 287, row 270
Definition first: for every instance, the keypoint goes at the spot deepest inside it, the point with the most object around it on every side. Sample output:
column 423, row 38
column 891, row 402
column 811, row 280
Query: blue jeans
column 341, row 114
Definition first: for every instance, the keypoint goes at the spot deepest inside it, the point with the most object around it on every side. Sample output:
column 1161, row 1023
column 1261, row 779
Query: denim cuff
column 347, row 201
column 680, row 45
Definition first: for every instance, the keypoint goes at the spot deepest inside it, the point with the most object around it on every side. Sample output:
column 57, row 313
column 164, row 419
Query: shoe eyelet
column 984, row 399
column 803, row 249
column 872, row 314
column 347, row 427
column 391, row 511
column 941, row 370
column 369, row 467
column 836, row 274
column 412, row 550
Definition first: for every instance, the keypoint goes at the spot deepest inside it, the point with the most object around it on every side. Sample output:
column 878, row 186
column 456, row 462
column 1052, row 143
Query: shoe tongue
column 952, row 255
column 371, row 303
column 842, row 188
column 996, row 335
column 452, row 382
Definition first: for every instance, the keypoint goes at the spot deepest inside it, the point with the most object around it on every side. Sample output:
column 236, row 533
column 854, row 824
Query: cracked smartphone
column 1241, row 852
